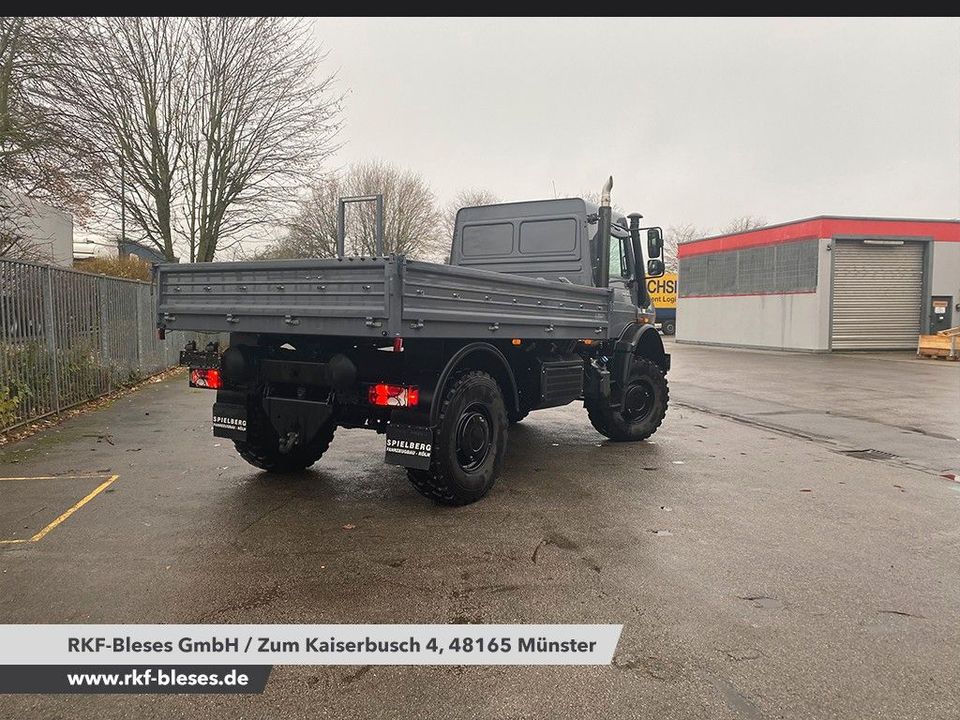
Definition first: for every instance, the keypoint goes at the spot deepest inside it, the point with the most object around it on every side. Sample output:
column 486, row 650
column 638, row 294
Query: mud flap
column 409, row 446
column 229, row 421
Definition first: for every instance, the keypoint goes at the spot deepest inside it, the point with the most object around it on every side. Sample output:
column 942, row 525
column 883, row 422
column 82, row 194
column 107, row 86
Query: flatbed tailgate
column 349, row 296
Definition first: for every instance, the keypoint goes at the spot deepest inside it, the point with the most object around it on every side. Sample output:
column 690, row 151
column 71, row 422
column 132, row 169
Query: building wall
column 788, row 321
column 147, row 254
column 945, row 279
column 783, row 322
column 47, row 232
column 792, row 321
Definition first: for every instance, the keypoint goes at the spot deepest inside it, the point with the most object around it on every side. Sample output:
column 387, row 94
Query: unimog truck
column 542, row 304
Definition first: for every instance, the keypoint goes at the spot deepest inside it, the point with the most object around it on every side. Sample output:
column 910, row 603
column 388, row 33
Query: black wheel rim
column 473, row 437
column 638, row 402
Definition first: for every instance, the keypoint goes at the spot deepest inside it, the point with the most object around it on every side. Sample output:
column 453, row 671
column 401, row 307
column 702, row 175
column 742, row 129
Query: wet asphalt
column 758, row 570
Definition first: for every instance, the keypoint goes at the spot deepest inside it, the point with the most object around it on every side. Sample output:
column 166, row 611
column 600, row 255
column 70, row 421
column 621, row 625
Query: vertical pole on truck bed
column 341, row 210
column 341, row 222
column 379, row 224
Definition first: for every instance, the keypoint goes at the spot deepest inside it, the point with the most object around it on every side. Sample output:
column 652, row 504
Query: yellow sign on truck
column 663, row 291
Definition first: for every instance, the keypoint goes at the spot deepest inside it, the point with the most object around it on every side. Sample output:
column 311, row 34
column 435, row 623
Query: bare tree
column 312, row 231
column 14, row 239
column 471, row 197
column 673, row 237
column 42, row 157
column 411, row 219
column 258, row 125
column 126, row 82
column 744, row 223
column 215, row 122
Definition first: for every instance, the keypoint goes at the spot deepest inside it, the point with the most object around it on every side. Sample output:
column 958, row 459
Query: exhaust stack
column 605, row 193
column 605, row 215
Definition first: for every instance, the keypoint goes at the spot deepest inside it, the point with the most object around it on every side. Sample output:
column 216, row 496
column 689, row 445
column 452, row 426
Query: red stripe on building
column 824, row 227
column 749, row 294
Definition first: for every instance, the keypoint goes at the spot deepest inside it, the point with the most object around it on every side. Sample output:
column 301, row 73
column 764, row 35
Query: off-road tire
column 460, row 474
column 646, row 378
column 261, row 448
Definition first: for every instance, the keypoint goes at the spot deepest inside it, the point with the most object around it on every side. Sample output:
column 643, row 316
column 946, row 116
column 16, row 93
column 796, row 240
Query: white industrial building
column 821, row 284
column 44, row 233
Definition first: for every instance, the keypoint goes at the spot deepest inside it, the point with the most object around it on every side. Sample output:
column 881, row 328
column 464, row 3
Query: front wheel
column 470, row 442
column 645, row 401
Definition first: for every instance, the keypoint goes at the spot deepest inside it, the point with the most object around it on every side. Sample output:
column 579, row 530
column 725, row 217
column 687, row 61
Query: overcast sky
column 698, row 120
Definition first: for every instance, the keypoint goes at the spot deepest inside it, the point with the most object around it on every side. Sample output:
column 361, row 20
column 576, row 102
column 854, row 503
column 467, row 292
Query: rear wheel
column 644, row 405
column 669, row 327
column 470, row 442
column 262, row 447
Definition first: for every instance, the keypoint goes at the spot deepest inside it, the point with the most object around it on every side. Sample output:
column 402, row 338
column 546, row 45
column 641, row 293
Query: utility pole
column 123, row 200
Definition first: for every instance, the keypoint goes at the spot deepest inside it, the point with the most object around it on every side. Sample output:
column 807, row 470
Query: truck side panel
column 455, row 302
column 385, row 297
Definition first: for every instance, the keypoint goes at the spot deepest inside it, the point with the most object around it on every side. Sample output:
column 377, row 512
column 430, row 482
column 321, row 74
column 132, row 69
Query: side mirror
column 655, row 268
column 654, row 242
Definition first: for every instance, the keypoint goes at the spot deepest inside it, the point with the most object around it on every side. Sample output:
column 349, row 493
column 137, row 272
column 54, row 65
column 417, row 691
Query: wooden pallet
column 942, row 345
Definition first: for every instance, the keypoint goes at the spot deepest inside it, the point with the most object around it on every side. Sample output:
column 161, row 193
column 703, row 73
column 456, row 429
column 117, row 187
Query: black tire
column 669, row 328
column 470, row 442
column 261, row 448
column 647, row 398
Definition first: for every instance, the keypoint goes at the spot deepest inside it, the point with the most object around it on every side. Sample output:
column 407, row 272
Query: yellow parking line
column 52, row 477
column 96, row 491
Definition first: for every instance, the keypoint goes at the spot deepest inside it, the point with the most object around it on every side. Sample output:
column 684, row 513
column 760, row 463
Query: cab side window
column 619, row 259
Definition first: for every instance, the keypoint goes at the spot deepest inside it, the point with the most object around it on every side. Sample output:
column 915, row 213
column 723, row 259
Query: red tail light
column 394, row 395
column 205, row 378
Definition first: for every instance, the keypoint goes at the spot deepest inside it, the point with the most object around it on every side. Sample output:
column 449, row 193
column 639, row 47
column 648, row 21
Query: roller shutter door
column 877, row 295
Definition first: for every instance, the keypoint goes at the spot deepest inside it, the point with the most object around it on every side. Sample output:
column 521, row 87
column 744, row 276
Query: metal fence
column 67, row 337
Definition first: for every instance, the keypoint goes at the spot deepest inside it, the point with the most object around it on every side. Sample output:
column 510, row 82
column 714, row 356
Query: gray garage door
column 877, row 294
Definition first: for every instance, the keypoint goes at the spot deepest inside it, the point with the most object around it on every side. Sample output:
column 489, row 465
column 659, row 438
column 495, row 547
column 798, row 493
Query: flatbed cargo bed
column 376, row 297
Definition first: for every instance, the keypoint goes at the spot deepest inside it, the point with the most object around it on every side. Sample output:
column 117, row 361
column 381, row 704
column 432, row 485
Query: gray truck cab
column 556, row 240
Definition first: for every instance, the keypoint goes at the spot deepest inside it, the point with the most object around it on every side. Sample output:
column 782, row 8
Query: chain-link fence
column 67, row 337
